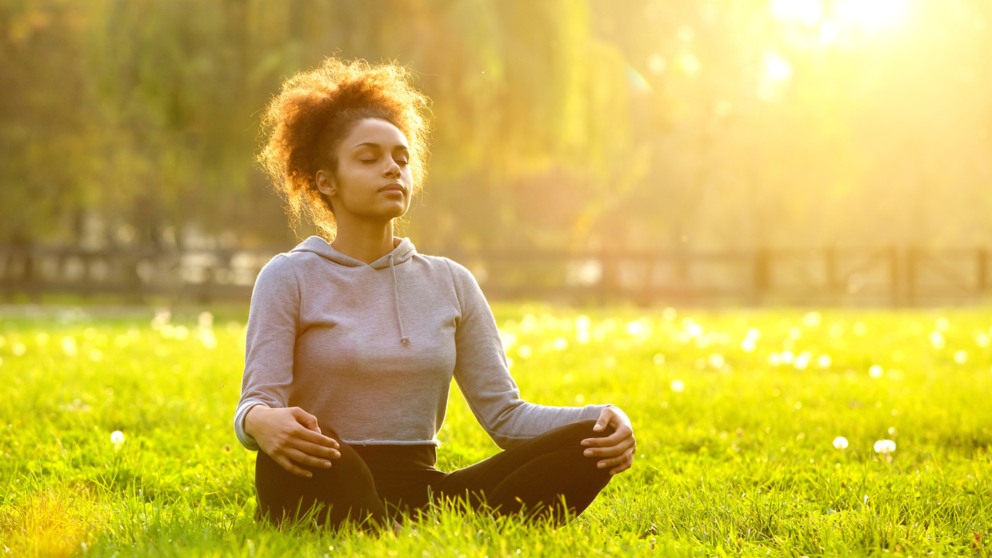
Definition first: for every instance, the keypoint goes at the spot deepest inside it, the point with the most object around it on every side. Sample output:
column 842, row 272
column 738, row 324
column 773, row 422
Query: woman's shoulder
column 458, row 272
column 285, row 266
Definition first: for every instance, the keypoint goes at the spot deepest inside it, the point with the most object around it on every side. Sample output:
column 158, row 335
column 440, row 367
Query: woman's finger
column 308, row 460
column 611, row 440
column 610, row 451
column 288, row 464
column 317, row 438
column 315, row 450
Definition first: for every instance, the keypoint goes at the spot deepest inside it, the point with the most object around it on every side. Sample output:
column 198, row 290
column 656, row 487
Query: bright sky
column 868, row 16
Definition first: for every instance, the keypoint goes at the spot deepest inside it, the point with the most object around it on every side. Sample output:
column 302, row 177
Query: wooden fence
column 850, row 276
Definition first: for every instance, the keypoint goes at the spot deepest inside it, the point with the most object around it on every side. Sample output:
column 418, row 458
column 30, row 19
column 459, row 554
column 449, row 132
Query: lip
column 393, row 188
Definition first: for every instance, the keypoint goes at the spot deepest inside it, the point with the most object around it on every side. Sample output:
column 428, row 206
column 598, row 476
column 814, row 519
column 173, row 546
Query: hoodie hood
column 403, row 251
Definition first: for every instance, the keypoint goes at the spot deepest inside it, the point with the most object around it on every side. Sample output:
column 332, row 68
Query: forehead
column 377, row 132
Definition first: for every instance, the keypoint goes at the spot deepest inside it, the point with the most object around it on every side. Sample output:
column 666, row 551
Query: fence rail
column 877, row 276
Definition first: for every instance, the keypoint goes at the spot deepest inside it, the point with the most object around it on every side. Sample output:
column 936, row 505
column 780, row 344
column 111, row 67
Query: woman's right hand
column 291, row 437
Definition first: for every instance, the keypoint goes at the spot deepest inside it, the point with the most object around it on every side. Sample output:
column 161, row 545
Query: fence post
column 762, row 280
column 830, row 264
column 982, row 265
column 895, row 283
column 913, row 256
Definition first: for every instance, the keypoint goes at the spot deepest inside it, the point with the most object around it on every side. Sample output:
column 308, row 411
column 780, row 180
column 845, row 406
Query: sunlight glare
column 872, row 16
column 808, row 12
column 777, row 68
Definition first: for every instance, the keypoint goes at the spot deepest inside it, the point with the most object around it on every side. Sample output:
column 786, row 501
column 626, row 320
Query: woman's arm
column 263, row 421
column 482, row 374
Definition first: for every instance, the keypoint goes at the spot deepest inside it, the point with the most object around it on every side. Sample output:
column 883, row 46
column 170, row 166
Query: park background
column 654, row 165
column 714, row 148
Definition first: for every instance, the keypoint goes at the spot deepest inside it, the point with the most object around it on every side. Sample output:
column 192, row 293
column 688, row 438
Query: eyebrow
column 379, row 146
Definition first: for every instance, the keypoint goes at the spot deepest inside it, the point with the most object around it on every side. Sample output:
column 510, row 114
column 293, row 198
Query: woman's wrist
column 251, row 417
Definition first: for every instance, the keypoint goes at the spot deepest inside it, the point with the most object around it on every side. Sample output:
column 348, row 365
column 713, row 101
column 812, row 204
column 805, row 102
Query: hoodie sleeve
column 484, row 378
column 273, row 322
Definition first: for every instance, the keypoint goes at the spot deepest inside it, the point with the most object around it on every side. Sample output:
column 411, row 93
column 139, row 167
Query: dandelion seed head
column 876, row 371
column 205, row 319
column 678, row 386
column 692, row 329
column 749, row 344
column 960, row 357
column 840, row 442
column 802, row 361
column 860, row 328
column 884, row 446
column 982, row 340
column 117, row 439
column 161, row 318
column 717, row 361
column 525, row 352
column 560, row 344
column 824, row 361
column 658, row 359
column 69, row 346
column 18, row 348
column 638, row 329
column 937, row 340
column 41, row 339
column 207, row 338
column 942, row 324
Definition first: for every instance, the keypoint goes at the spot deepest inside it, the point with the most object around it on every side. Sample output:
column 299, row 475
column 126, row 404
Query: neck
column 364, row 242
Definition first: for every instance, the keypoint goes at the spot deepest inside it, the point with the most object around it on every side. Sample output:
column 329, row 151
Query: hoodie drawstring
column 404, row 340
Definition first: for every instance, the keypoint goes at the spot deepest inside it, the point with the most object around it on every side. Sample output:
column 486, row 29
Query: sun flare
column 868, row 16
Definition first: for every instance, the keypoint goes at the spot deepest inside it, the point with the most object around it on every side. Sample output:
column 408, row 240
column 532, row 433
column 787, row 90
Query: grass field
column 760, row 433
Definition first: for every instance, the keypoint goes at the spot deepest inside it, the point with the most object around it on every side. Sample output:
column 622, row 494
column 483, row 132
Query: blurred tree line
column 559, row 123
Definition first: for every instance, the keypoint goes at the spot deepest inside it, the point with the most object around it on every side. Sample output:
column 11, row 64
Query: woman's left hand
column 617, row 450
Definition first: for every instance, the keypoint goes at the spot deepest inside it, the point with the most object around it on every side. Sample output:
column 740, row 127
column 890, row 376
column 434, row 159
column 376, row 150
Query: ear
column 325, row 184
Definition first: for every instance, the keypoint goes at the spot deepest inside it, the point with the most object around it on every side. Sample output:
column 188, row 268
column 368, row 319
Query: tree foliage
column 639, row 123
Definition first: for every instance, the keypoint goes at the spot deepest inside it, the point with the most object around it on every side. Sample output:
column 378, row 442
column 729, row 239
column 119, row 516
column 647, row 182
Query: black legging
column 547, row 477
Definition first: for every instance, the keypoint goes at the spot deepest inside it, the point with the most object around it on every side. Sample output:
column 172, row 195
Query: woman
column 352, row 343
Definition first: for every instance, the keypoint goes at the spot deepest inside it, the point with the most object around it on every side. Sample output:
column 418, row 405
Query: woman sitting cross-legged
column 354, row 337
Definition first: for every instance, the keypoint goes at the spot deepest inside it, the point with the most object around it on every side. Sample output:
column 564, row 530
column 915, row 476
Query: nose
column 393, row 169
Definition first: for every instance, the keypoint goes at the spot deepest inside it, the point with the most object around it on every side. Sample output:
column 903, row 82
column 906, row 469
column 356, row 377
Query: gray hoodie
column 370, row 349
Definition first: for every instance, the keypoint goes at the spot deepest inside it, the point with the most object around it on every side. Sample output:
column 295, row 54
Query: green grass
column 735, row 438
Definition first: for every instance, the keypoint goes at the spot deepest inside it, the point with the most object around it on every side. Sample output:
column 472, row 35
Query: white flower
column 840, row 442
column 885, row 446
column 117, row 438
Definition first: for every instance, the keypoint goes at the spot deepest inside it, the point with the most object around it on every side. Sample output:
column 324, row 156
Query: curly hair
column 304, row 124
